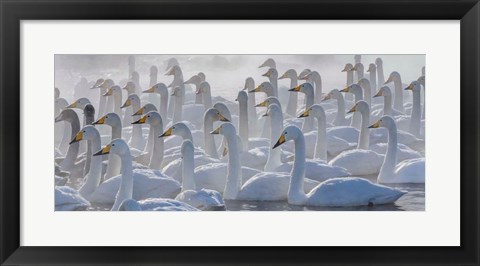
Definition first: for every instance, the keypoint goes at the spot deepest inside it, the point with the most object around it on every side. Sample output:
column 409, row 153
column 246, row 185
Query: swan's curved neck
column 73, row 149
column 309, row 101
column 381, row 76
column 398, row 104
column 207, row 99
column 373, row 81
column 198, row 96
column 390, row 161
column 321, row 143
column 177, row 113
column 274, row 81
column 209, row 140
column 156, row 157
column 416, row 115
column 243, row 123
column 185, row 134
column 162, row 108
column 349, row 78
column 387, row 105
column 102, row 102
column 296, row 193
column 367, row 93
column 317, row 79
column 364, row 138
column 188, row 166
column 126, row 186
column 292, row 98
column 274, row 155
column 340, row 110
column 94, row 175
column 234, row 180
column 117, row 103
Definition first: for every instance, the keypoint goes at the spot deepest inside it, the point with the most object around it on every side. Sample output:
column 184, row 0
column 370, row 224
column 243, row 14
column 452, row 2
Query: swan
column 136, row 140
column 387, row 105
column 349, row 70
column 340, row 119
column 103, row 85
column 292, row 97
column 242, row 99
column 68, row 199
column 307, row 89
column 153, row 80
column 155, row 204
column 272, row 76
column 130, row 88
column 360, row 161
column 358, row 93
column 264, row 186
column 267, row 88
column 252, row 113
column 397, row 83
column 359, row 68
column 177, row 74
column 367, row 90
column 203, row 198
column 135, row 77
column 372, row 69
column 116, row 92
column 69, row 163
column 316, row 80
column 274, row 112
column 62, row 138
column 196, row 80
column 192, row 112
column 154, row 119
column 204, row 91
column 210, row 116
column 336, row 192
column 144, row 158
column 270, row 63
column 162, row 90
column 416, row 115
column 408, row 171
column 132, row 183
column 380, row 74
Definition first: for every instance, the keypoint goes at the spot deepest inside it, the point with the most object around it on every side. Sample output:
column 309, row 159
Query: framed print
column 273, row 132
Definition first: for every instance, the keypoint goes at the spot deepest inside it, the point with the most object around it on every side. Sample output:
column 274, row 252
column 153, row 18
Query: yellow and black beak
column 388, row 80
column 151, row 90
column 139, row 112
column 262, row 104
column 222, row 118
column 409, row 88
column 280, row 141
column 140, row 121
column 265, row 114
column 216, row 131
column 267, row 74
column 73, row 105
column 105, row 150
column 295, row 89
column 167, row 133
column 77, row 138
column 379, row 93
column 354, row 109
column 100, row 121
column 109, row 93
column 284, row 76
column 327, row 97
column 127, row 103
column 346, row 89
column 257, row 89
column 375, row 125
column 305, row 114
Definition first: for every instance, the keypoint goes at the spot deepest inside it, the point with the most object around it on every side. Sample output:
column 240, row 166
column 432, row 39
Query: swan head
column 394, row 76
column 114, row 90
column 271, row 73
column 86, row 133
column 67, row 115
column 414, row 86
column 57, row 93
column 110, row 119
column 289, row 133
column 421, row 79
column 151, row 118
column 131, row 100
column 202, row 76
column 106, row 84
column 264, row 87
column 360, row 106
column 383, row 91
column 157, row 88
column 117, row 146
column 204, row 87
column 273, row 110
column 216, row 115
column 242, row 97
column 372, row 68
column 174, row 71
column 310, row 75
column 145, row 109
column 97, row 84
column 80, row 103
column 130, row 87
column 378, row 61
column 171, row 62
column 269, row 63
column 291, row 73
column 195, row 79
column 130, row 205
column 249, row 83
column 358, row 67
column 226, row 129
column 348, row 67
column 352, row 88
column 153, row 71
column 363, row 82
column 303, row 88
column 315, row 110
column 304, row 73
column 177, row 129
column 386, row 122
column 423, row 71
column 223, row 109
column 61, row 103
column 187, row 148
column 333, row 94
column 267, row 102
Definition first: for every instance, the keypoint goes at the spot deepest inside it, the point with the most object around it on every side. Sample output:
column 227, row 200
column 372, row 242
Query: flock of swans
column 178, row 147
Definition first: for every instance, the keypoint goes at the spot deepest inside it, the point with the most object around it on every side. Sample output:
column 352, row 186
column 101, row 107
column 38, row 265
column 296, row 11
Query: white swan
column 68, row 199
column 307, row 89
column 69, row 163
column 155, row 204
column 203, row 199
column 162, row 90
column 103, row 85
column 272, row 76
column 372, row 69
column 132, row 183
column 315, row 79
column 144, row 158
column 154, row 119
column 336, row 192
column 387, row 104
column 252, row 113
column 408, row 171
column 211, row 115
column 266, row 186
column 397, row 83
column 380, row 73
column 340, row 119
column 136, row 140
column 292, row 97
column 416, row 115
column 270, row 63
column 357, row 91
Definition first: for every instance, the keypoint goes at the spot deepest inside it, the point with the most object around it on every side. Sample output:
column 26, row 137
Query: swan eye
column 113, row 144
column 173, row 127
column 84, row 131
column 106, row 116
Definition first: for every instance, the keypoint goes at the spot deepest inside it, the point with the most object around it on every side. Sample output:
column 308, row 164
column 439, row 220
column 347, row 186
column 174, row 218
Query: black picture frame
column 13, row 11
